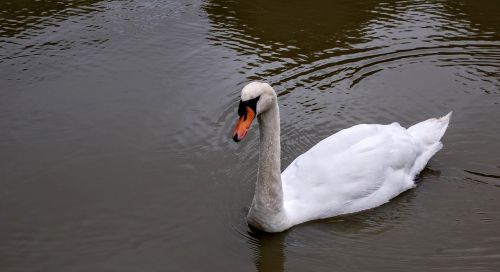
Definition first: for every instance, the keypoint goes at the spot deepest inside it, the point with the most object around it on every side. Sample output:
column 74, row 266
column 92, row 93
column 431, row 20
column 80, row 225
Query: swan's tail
column 430, row 131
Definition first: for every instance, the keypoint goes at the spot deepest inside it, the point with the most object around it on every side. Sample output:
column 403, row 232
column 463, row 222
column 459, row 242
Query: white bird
column 355, row 169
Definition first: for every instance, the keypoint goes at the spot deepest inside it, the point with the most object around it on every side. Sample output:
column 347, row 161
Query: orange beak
column 243, row 125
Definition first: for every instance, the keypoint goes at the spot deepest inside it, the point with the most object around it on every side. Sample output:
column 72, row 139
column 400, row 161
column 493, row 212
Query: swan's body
column 355, row 169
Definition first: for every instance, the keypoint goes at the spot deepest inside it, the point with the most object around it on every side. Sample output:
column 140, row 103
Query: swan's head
column 256, row 98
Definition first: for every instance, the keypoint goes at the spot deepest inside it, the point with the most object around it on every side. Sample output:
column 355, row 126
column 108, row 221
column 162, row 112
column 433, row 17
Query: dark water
column 115, row 123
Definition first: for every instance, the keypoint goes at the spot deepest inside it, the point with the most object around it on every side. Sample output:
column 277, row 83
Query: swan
column 355, row 169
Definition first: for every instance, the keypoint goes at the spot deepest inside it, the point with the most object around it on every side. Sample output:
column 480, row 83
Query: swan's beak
column 243, row 125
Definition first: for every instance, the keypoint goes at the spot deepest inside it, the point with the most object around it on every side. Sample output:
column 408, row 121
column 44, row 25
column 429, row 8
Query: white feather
column 358, row 168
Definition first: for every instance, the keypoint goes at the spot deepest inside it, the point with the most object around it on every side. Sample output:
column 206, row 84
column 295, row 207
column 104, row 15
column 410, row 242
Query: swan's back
column 358, row 168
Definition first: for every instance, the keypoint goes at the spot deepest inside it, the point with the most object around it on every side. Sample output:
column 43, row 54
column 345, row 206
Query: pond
column 116, row 121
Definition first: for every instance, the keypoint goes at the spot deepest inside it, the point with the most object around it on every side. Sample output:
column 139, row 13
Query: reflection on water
column 35, row 15
column 345, row 43
column 115, row 121
column 269, row 251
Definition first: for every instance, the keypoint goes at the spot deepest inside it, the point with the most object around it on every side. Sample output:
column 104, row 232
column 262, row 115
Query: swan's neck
column 267, row 212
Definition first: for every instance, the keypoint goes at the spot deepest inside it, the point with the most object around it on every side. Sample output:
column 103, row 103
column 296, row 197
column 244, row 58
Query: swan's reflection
column 268, row 250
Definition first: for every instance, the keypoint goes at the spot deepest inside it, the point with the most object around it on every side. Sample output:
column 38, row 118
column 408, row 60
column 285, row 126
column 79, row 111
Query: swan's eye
column 241, row 108
column 252, row 104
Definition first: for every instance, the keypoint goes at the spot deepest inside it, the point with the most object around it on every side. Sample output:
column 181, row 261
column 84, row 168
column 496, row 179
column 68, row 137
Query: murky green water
column 116, row 117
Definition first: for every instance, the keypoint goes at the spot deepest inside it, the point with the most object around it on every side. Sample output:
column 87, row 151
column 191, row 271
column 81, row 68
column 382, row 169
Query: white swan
column 354, row 169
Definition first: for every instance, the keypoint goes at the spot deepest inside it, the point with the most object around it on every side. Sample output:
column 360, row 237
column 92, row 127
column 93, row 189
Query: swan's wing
column 355, row 169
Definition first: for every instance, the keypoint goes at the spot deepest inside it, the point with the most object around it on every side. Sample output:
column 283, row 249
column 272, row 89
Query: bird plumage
column 355, row 169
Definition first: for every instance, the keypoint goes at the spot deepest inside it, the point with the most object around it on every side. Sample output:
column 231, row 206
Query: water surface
column 116, row 116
